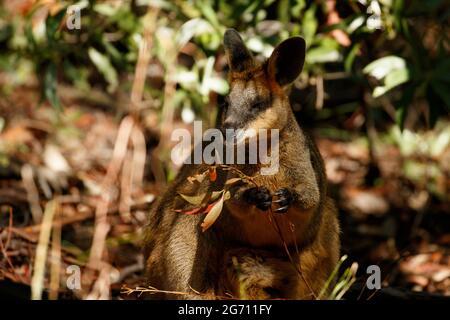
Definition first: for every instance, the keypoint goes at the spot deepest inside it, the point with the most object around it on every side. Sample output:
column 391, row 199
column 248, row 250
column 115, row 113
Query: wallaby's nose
column 227, row 124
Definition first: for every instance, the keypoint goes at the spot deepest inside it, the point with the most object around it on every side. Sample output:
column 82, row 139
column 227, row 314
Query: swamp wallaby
column 277, row 238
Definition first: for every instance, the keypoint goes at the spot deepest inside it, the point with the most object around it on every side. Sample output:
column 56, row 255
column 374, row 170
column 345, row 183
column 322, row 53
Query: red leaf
column 212, row 174
column 190, row 212
column 198, row 210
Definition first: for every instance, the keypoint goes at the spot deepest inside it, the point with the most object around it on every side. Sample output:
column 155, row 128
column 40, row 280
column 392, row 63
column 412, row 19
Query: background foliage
column 395, row 50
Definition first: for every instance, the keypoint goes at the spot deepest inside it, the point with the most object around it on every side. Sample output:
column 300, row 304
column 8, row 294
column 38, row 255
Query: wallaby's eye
column 259, row 104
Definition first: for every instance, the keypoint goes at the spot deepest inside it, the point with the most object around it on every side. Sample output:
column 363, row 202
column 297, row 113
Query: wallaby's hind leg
column 257, row 274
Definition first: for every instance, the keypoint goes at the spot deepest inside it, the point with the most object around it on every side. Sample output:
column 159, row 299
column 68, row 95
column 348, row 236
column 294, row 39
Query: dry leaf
column 198, row 199
column 197, row 178
column 195, row 200
column 232, row 180
column 216, row 194
column 213, row 214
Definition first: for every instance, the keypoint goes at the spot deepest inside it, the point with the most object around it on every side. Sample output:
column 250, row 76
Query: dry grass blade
column 37, row 282
column 55, row 259
column 332, row 277
column 101, row 224
column 143, row 58
column 139, row 156
column 101, row 289
column 126, row 186
column 4, row 249
column 152, row 290
column 345, row 282
column 32, row 193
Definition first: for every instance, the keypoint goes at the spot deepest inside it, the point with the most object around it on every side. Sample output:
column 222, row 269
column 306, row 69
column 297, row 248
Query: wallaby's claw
column 260, row 197
column 285, row 198
column 282, row 209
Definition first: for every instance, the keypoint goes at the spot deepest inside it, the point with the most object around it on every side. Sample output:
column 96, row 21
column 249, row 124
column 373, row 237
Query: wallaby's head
column 257, row 98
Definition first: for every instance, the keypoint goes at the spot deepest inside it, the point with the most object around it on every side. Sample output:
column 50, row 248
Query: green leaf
column 393, row 79
column 297, row 8
column 348, row 63
column 397, row 77
column 283, row 11
column 209, row 13
column 405, row 101
column 50, row 85
column 442, row 70
column 106, row 9
column 309, row 25
column 322, row 54
column 53, row 23
column 442, row 90
column 356, row 23
column 191, row 28
column 105, row 67
column 383, row 66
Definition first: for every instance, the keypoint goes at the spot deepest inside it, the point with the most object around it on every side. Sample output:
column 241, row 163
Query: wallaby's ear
column 286, row 61
column 239, row 58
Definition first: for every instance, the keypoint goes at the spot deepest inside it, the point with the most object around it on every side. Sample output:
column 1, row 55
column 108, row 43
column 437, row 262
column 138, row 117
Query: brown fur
column 242, row 255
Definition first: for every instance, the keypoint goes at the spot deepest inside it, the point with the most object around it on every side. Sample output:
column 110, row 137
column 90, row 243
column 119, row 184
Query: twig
column 4, row 247
column 126, row 185
column 59, row 223
column 319, row 92
column 239, row 173
column 128, row 270
column 144, row 56
column 101, row 290
column 152, row 290
column 132, row 172
column 32, row 192
column 8, row 261
column 139, row 156
column 37, row 281
column 101, row 211
column 55, row 259
column 10, row 224
column 21, row 233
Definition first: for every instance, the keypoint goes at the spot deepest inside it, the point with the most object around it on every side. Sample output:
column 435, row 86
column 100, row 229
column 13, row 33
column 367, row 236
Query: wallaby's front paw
column 260, row 197
column 285, row 199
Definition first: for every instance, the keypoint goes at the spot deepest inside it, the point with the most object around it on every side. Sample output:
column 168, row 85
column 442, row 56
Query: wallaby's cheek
column 268, row 119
